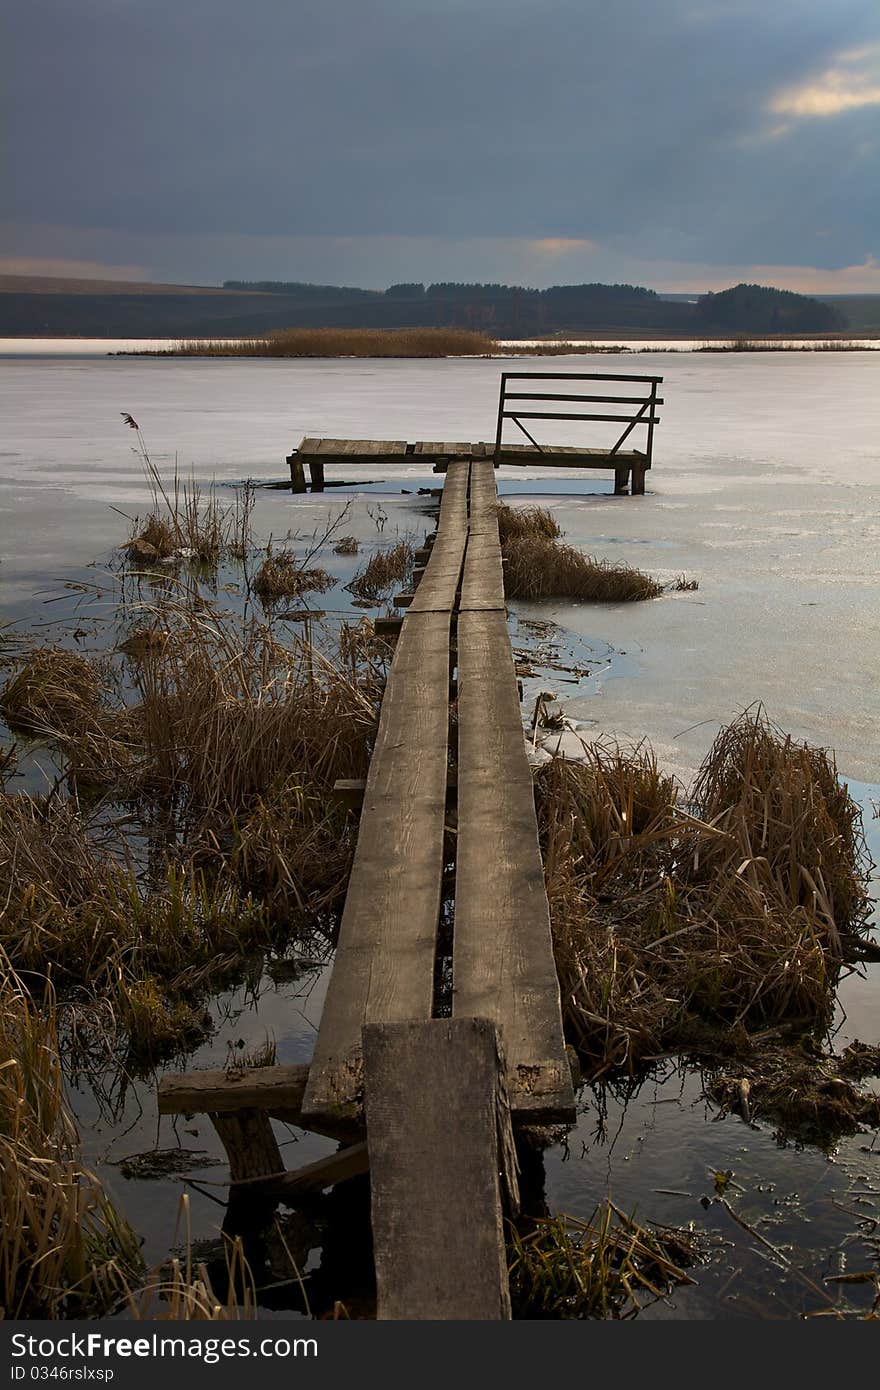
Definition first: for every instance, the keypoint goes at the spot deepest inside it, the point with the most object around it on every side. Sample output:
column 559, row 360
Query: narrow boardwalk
column 502, row 959
column 424, row 1102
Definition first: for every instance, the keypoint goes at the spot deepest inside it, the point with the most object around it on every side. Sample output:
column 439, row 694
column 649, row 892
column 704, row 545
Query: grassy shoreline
column 458, row 342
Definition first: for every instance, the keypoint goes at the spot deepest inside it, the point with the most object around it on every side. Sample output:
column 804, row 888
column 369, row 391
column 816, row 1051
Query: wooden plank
column 563, row 456
column 346, row 1163
column 254, row 1088
column 439, row 584
column 436, row 1205
column 440, row 448
column 482, row 585
column 354, row 449
column 384, row 967
column 503, row 966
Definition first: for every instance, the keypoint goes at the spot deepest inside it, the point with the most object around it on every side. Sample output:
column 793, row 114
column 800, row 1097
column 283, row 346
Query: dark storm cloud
column 641, row 125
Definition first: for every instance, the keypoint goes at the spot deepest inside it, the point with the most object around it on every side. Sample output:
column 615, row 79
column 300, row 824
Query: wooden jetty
column 423, row 1095
column 517, row 402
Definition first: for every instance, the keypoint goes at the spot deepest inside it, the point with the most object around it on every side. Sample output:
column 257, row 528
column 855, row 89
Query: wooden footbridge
column 517, row 401
column 426, row 1102
column 422, row 1093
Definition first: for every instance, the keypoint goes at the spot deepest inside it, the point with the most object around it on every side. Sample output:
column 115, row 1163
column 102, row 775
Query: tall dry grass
column 223, row 765
column 348, row 342
column 53, row 688
column 186, row 522
column 538, row 566
column 531, row 523
column 386, row 567
column 182, row 1290
column 539, row 569
column 674, row 916
column 283, row 575
column 64, row 1251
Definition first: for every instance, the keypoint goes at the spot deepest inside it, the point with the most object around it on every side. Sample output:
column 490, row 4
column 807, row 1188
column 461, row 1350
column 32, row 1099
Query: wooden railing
column 644, row 415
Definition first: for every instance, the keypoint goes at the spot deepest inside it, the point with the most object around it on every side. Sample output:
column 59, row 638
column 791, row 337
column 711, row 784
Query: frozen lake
column 766, row 487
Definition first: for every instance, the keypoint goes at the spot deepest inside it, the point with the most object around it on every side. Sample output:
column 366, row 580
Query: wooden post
column 621, row 478
column 253, row 1152
column 316, row 473
column 638, row 480
column 650, row 445
column 297, row 473
column 500, row 422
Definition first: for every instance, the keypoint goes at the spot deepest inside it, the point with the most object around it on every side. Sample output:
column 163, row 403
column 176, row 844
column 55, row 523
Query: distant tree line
column 249, row 307
column 516, row 311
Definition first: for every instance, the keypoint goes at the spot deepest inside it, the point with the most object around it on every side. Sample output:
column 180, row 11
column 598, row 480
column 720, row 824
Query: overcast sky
column 682, row 144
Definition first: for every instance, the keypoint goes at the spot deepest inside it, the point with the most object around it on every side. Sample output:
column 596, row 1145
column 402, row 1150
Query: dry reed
column 533, row 523
column 537, row 566
column 386, row 567
column 282, row 575
column 600, row 1268
column 64, row 1251
column 678, row 919
column 53, row 689
column 182, row 1291
column 347, row 342
column 186, row 524
column 539, row 569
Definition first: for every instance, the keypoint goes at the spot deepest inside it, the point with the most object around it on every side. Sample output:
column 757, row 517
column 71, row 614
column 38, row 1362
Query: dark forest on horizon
column 246, row 308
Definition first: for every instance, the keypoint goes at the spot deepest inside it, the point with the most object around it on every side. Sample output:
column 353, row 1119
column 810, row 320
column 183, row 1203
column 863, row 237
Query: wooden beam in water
column 254, row 1088
column 436, row 1199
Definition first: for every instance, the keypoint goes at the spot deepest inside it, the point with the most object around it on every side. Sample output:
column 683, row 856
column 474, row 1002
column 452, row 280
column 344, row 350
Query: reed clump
column 600, row 1268
column 150, row 951
column 347, row 545
column 679, row 918
column 537, row 568
column 232, row 743
column 529, row 523
column 64, row 1251
column 347, row 342
column 53, row 689
column 386, row 567
column 283, row 575
column 185, row 524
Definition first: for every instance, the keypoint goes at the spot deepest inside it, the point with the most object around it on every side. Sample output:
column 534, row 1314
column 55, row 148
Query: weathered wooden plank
column 439, row 585
column 384, row 967
column 436, row 1205
column 440, row 448
column 353, row 449
column 503, row 966
column 482, row 585
column 559, row 456
column 346, row 1163
column 255, row 1088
